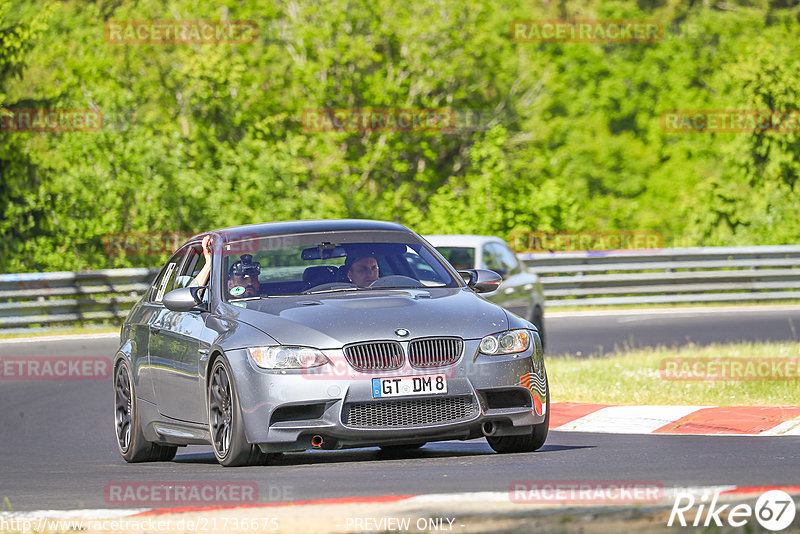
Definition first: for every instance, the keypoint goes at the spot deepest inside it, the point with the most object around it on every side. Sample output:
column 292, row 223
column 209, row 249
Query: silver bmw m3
column 333, row 334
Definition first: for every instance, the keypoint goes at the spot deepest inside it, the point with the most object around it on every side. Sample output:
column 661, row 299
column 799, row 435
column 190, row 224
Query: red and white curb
column 670, row 494
column 681, row 420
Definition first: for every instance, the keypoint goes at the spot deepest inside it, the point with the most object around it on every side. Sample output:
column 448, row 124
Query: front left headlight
column 509, row 342
column 279, row 357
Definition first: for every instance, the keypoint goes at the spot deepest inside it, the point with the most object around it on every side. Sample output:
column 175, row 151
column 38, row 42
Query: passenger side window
column 165, row 281
column 422, row 270
column 169, row 278
column 192, row 265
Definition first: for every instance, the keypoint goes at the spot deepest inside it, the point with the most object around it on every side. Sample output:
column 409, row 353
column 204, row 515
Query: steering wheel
column 395, row 280
column 331, row 285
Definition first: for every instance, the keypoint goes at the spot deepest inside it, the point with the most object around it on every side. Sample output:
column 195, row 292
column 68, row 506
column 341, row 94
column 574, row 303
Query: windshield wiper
column 394, row 287
column 244, row 299
column 335, row 290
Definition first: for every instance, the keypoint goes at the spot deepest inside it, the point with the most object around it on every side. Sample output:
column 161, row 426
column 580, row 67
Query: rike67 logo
column 774, row 510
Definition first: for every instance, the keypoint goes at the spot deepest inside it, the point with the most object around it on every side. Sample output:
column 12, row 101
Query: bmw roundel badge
column 402, row 332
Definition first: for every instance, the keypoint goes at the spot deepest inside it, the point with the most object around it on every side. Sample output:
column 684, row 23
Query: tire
column 225, row 421
column 131, row 442
column 537, row 318
column 400, row 448
column 527, row 443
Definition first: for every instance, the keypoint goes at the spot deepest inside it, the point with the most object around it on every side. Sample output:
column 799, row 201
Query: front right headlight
column 509, row 342
column 280, row 357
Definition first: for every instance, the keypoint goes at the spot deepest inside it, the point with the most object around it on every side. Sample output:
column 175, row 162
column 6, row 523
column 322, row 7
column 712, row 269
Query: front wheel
column 528, row 442
column 225, row 421
column 130, row 440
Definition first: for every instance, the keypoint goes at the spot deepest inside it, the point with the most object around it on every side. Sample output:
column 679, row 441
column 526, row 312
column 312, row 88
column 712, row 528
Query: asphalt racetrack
column 601, row 332
column 57, row 448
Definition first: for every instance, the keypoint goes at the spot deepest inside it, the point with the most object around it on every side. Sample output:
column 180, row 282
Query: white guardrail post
column 678, row 275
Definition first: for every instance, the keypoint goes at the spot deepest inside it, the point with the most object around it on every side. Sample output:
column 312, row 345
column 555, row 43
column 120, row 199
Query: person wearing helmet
column 243, row 277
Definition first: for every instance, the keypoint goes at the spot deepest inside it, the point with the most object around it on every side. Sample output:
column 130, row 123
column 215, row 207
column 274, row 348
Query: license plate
column 408, row 385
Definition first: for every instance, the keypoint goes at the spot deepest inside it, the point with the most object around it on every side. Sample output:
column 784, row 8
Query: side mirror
column 185, row 299
column 481, row 280
column 502, row 272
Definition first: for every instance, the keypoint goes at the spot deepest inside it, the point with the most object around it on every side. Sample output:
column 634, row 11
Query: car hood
column 331, row 320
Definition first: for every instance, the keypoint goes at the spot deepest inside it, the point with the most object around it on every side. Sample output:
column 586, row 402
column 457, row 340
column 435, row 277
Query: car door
column 139, row 323
column 178, row 348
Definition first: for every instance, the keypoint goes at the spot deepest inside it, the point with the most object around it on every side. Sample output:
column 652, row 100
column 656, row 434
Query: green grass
column 632, row 377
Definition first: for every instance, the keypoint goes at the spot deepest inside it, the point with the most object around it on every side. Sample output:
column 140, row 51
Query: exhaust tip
column 488, row 428
column 316, row 441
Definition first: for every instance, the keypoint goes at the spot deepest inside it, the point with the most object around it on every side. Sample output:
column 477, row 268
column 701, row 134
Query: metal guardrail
column 681, row 275
column 677, row 275
column 46, row 299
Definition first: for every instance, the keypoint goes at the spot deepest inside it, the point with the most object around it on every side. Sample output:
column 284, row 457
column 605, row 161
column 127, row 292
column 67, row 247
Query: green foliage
column 200, row 136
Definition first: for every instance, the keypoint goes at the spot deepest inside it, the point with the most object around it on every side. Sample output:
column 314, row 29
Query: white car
column 521, row 290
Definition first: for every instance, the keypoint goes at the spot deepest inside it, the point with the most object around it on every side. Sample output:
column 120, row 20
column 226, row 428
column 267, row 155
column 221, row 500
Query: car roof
column 461, row 240
column 301, row 227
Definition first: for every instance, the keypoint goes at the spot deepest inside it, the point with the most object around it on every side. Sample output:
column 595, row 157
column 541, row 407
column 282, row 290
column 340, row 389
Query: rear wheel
column 130, row 440
column 525, row 443
column 225, row 421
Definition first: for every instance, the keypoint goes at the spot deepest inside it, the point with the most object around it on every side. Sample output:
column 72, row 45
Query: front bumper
column 292, row 410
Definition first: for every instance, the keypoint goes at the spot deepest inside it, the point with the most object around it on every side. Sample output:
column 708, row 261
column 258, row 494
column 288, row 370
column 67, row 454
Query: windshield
column 330, row 262
column 459, row 257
